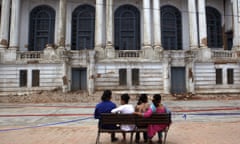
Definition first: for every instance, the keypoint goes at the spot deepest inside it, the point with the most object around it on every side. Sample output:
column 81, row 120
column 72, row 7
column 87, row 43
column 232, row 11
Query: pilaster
column 4, row 30
column 62, row 24
column 14, row 28
column 192, row 24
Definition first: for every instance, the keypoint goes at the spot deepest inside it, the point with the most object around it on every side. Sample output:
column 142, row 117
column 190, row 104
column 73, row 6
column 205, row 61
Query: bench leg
column 165, row 137
column 131, row 138
column 98, row 137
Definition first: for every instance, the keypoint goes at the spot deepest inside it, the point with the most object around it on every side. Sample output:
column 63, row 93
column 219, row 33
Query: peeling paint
column 204, row 41
column 4, row 42
column 65, row 81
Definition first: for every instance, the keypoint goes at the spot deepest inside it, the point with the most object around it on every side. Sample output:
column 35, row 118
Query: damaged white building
column 133, row 46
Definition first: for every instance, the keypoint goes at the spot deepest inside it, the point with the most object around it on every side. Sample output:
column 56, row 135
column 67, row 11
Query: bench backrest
column 154, row 119
column 110, row 118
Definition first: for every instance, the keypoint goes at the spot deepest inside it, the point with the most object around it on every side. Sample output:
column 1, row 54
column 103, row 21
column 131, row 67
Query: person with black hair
column 105, row 107
column 125, row 108
column 142, row 106
column 155, row 107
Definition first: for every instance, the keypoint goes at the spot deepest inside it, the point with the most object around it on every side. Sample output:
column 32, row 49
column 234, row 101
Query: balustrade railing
column 222, row 54
column 129, row 53
column 30, row 55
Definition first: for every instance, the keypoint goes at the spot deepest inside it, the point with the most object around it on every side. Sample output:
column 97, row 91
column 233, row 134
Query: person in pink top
column 155, row 107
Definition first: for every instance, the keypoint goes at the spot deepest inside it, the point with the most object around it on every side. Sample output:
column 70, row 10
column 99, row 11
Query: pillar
column 202, row 23
column 109, row 23
column 91, row 86
column 166, row 71
column 157, row 25
column 110, row 53
column 99, row 24
column 62, row 23
column 236, row 24
column 146, row 24
column 4, row 30
column 14, row 28
column 193, row 37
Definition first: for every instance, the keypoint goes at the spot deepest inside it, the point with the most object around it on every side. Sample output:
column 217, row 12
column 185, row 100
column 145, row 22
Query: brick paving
column 205, row 122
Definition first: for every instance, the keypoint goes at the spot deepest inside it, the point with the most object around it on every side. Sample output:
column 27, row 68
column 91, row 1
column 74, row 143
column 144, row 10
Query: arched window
column 171, row 28
column 41, row 30
column 83, row 27
column 214, row 29
column 127, row 28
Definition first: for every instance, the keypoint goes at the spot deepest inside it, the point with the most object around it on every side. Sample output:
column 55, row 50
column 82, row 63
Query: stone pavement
column 73, row 123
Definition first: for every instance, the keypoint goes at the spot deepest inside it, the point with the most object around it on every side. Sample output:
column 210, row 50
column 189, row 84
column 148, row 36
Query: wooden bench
column 118, row 119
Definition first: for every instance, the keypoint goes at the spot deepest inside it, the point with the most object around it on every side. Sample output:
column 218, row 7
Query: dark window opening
column 83, row 27
column 79, row 79
column 230, row 76
column 171, row 28
column 35, row 78
column 229, row 40
column 122, row 77
column 214, row 28
column 23, row 78
column 219, row 76
column 135, row 77
column 127, row 28
column 41, row 30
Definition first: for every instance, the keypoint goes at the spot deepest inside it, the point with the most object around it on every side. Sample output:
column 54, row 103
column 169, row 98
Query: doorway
column 79, row 79
column 178, row 80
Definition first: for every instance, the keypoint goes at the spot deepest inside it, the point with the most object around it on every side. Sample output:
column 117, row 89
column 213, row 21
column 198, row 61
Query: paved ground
column 194, row 122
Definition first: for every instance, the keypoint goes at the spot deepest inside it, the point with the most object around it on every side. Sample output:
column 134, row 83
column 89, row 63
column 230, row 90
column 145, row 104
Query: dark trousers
column 137, row 137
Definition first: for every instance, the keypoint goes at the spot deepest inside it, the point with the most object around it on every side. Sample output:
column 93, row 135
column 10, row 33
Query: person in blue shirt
column 105, row 106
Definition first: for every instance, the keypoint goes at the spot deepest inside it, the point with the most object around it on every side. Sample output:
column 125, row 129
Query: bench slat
column 118, row 119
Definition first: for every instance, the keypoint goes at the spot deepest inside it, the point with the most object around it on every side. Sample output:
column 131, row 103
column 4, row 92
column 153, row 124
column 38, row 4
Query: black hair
column 142, row 99
column 107, row 95
column 125, row 98
column 156, row 99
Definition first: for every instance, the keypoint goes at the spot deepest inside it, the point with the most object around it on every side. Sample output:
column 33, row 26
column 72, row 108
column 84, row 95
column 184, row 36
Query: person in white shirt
column 125, row 108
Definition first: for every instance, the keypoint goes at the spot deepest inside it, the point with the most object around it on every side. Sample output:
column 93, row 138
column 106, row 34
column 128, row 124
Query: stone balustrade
column 30, row 55
column 222, row 54
column 129, row 53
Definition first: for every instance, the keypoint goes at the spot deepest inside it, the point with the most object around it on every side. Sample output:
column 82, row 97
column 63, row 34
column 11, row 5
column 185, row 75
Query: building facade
column 133, row 46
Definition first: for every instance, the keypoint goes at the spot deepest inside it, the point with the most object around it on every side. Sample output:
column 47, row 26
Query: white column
column 202, row 23
column 99, row 24
column 14, row 31
column 192, row 24
column 62, row 23
column 109, row 24
column 166, row 71
column 110, row 51
column 157, row 24
column 4, row 30
column 236, row 24
column 146, row 24
column 91, row 87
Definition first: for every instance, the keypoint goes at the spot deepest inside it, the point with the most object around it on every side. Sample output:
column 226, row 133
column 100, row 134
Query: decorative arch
column 41, row 29
column 83, row 27
column 127, row 28
column 171, row 28
column 214, row 28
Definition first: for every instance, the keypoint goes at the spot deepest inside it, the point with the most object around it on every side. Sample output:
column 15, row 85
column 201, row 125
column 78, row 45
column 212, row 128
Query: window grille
column 214, row 28
column 23, row 78
column 171, row 28
column 42, row 24
column 122, row 77
column 83, row 27
column 219, row 79
column 230, row 76
column 35, row 78
column 135, row 77
column 127, row 28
